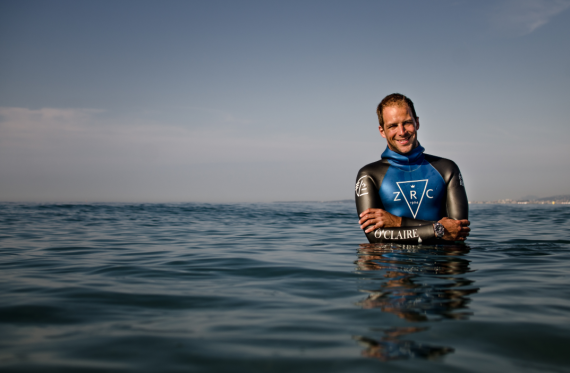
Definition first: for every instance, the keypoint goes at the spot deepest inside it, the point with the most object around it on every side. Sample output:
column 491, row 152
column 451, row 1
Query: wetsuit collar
column 416, row 156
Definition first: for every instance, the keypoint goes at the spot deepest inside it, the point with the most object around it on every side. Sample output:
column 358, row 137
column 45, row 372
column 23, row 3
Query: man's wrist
column 438, row 230
column 398, row 221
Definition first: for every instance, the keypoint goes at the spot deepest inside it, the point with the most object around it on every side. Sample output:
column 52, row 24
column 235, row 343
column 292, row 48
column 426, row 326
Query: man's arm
column 456, row 223
column 456, row 203
column 368, row 200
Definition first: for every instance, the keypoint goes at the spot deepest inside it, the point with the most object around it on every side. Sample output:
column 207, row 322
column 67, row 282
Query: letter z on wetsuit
column 418, row 187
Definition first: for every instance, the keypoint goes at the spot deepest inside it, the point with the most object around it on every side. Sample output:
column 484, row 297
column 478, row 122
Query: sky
column 260, row 101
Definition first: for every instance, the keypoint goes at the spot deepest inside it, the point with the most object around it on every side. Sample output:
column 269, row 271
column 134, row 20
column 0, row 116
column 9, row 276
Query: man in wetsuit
column 408, row 196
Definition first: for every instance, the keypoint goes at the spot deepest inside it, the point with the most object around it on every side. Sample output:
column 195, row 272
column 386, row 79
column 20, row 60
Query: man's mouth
column 403, row 141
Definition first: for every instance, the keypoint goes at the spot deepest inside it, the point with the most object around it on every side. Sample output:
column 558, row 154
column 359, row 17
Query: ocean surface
column 278, row 287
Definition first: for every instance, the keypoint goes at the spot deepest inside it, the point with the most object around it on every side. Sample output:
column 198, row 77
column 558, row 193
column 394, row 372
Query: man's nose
column 401, row 130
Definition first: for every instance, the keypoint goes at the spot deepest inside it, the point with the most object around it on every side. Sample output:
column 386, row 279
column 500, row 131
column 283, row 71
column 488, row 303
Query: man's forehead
column 398, row 104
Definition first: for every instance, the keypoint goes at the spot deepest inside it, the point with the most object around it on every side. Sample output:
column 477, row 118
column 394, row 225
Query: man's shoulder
column 374, row 171
column 440, row 160
column 374, row 167
column 446, row 167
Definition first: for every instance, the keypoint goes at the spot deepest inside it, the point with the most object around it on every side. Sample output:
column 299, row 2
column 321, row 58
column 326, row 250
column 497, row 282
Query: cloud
column 85, row 135
column 522, row 17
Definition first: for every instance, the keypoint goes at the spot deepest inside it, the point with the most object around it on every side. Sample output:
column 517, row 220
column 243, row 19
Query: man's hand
column 455, row 230
column 378, row 218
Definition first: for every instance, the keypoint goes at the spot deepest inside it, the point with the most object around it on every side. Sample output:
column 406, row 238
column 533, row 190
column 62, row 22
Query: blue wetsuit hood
column 415, row 157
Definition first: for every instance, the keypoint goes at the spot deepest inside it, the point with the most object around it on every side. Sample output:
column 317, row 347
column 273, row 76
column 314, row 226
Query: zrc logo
column 413, row 193
column 360, row 187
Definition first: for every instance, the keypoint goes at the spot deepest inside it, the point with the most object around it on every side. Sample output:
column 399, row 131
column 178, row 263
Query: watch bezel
column 439, row 230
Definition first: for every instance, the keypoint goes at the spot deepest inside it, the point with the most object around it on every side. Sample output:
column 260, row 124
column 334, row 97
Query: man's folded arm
column 409, row 222
column 411, row 231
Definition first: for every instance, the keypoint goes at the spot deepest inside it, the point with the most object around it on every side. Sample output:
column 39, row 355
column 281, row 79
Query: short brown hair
column 395, row 99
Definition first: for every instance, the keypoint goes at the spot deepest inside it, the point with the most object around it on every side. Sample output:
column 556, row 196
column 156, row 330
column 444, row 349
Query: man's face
column 400, row 128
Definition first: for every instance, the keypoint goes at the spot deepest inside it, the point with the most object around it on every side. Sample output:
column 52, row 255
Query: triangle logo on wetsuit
column 413, row 192
column 411, row 186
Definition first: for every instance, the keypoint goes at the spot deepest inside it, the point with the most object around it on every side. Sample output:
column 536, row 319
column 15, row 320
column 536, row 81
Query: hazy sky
column 225, row 101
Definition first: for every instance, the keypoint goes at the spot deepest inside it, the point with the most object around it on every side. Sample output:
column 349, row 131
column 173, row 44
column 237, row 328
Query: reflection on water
column 419, row 284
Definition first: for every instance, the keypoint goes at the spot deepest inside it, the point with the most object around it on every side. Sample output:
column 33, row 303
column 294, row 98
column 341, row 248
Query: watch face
column 439, row 230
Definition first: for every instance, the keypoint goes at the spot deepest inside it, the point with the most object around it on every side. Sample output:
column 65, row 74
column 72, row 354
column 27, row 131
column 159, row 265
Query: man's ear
column 382, row 131
column 417, row 123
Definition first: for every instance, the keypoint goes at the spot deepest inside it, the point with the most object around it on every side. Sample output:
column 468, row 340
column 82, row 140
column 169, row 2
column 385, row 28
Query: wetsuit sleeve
column 456, row 203
column 409, row 222
column 367, row 196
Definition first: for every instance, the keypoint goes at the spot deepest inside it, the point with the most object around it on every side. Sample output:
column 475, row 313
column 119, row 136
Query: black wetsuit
column 418, row 187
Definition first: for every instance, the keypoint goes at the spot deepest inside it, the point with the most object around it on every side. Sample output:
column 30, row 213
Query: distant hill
column 564, row 197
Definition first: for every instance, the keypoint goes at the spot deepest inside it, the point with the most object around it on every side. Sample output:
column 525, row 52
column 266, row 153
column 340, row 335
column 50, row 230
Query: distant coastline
column 554, row 200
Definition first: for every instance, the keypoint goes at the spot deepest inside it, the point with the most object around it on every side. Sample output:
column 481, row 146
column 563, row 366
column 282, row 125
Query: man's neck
column 412, row 157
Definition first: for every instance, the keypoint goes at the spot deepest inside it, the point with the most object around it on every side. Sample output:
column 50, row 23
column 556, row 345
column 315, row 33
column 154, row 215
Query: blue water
column 278, row 288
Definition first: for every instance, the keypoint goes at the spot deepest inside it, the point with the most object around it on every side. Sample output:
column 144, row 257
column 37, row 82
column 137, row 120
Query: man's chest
column 417, row 192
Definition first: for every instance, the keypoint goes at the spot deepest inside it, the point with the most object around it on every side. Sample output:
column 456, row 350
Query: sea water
column 278, row 287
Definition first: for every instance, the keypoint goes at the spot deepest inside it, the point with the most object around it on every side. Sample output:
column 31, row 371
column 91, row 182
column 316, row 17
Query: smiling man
column 408, row 196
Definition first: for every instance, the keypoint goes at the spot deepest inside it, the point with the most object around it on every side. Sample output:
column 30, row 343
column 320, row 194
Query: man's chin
column 402, row 149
